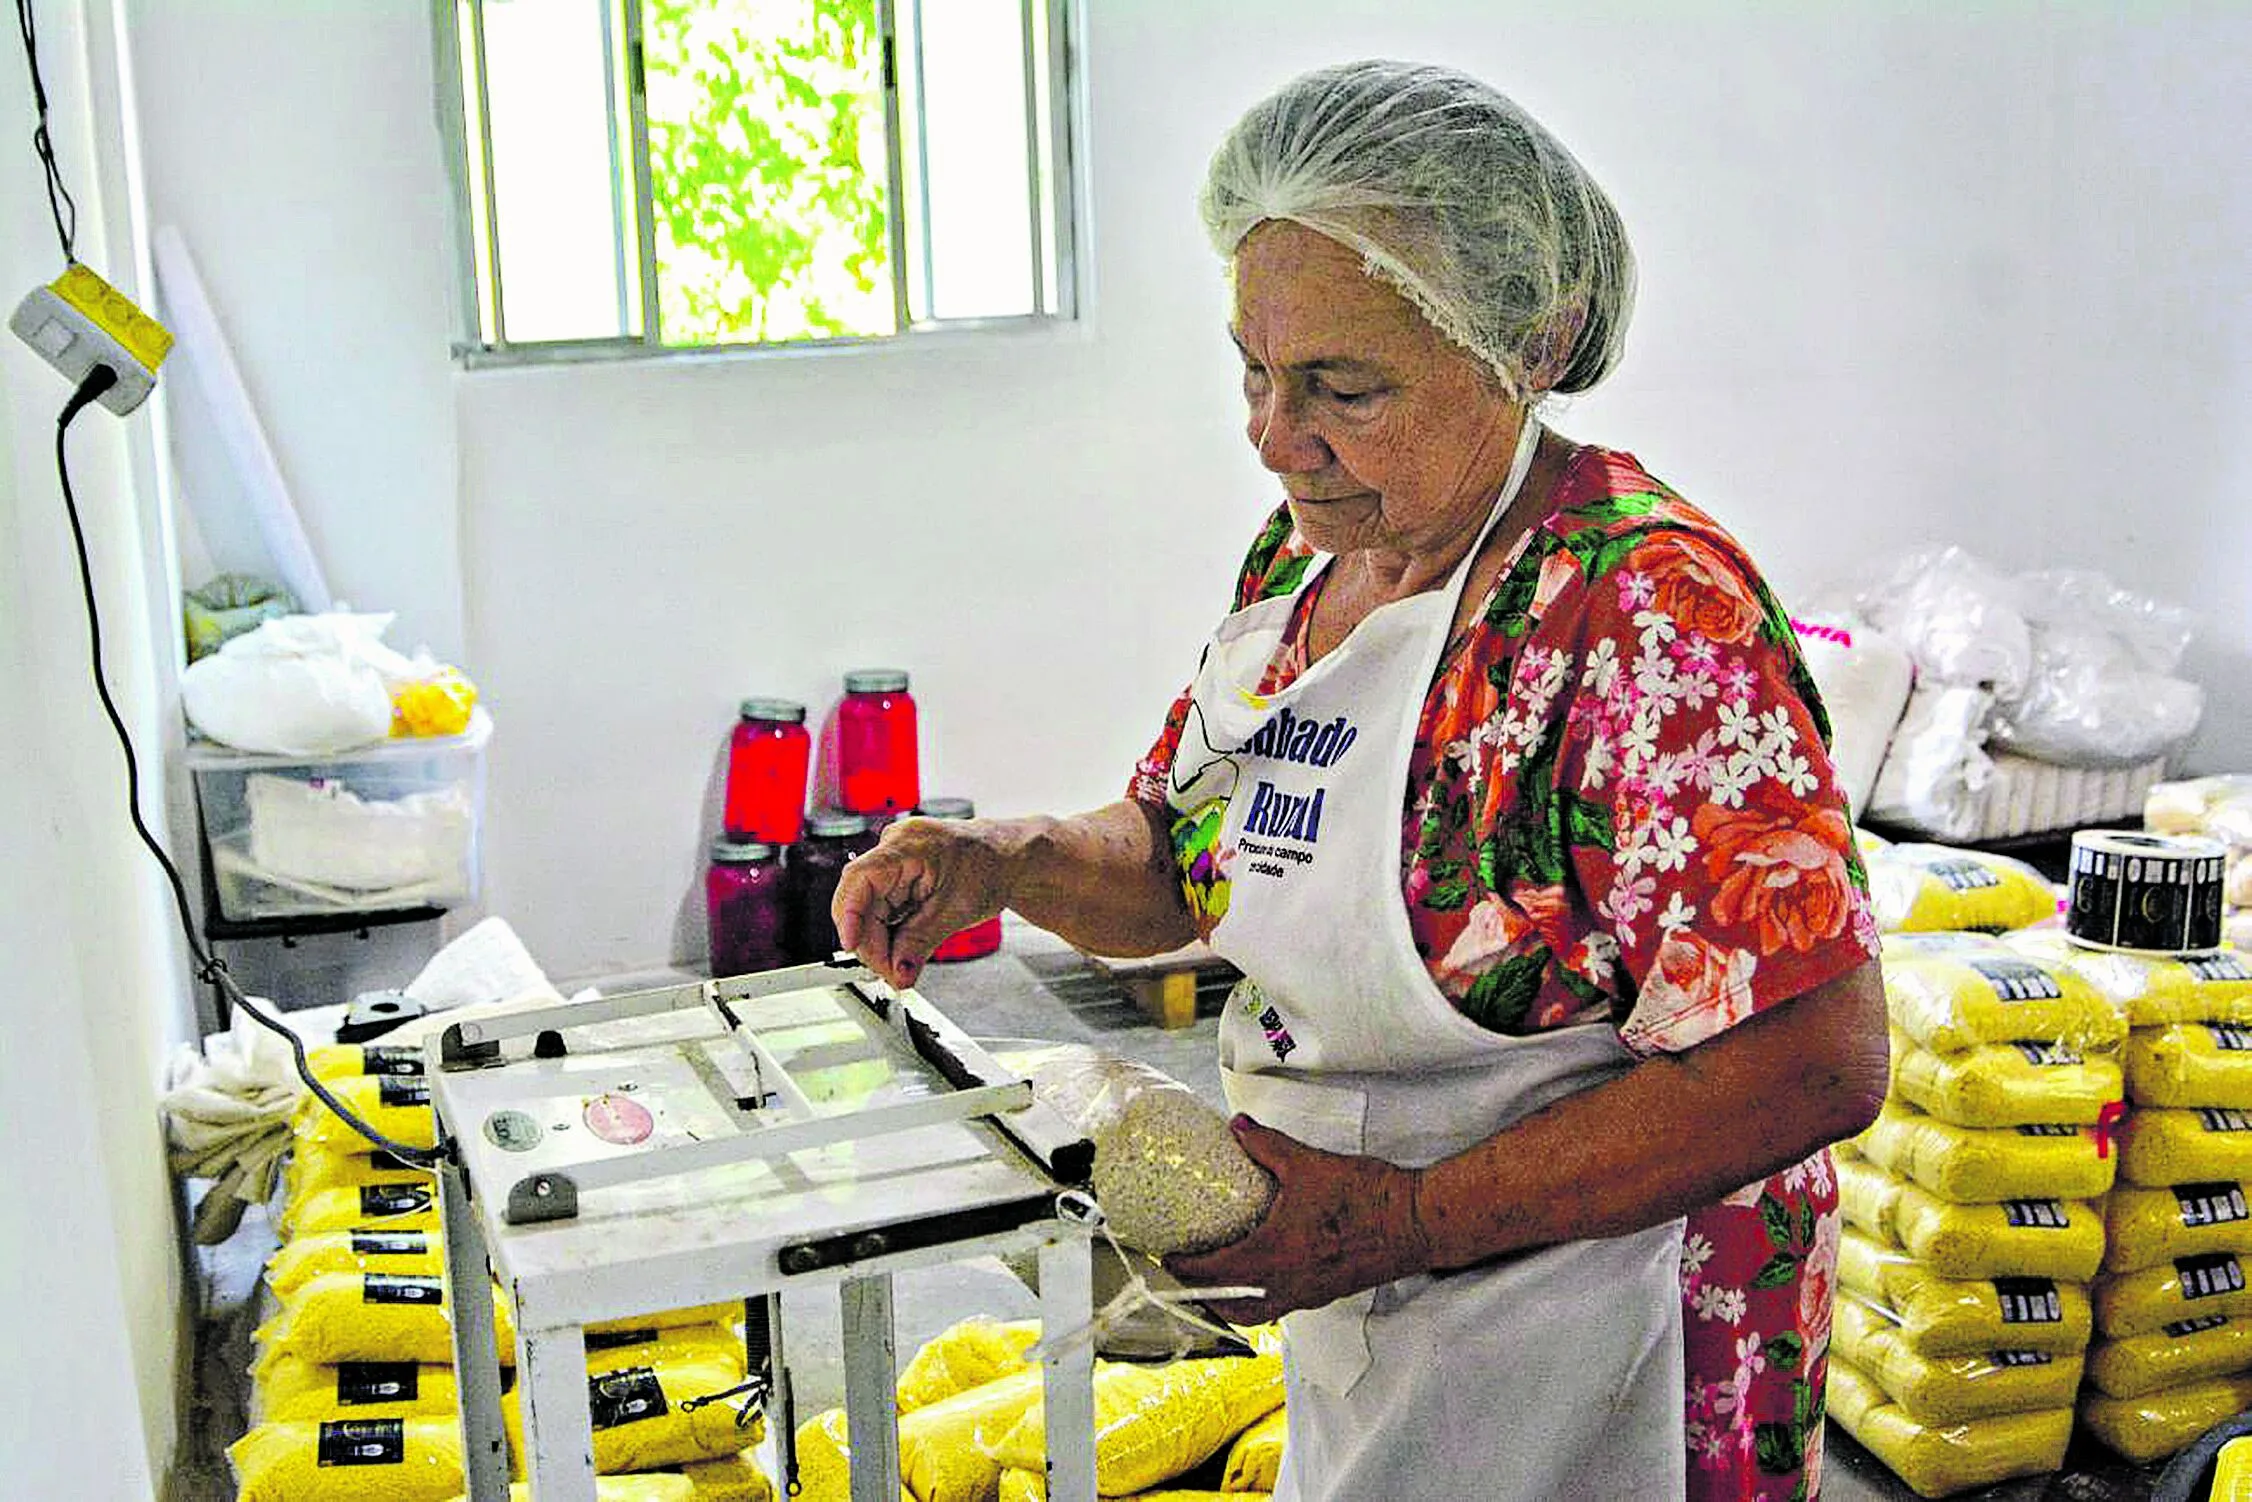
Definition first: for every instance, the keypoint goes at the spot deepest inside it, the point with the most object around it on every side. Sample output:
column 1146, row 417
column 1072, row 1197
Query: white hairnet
column 1451, row 193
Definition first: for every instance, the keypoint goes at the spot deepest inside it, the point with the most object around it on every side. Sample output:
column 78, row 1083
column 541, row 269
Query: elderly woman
column 1505, row 787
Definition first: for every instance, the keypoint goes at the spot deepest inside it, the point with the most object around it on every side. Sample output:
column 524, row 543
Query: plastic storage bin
column 394, row 825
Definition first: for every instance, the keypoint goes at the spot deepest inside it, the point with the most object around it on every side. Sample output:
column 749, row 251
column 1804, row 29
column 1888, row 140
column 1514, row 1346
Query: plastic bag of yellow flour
column 665, row 1410
column 1951, row 1389
column 732, row 1478
column 2174, row 1355
column 350, row 1460
column 1917, row 887
column 286, row 1388
column 1981, row 1165
column 2191, row 1064
column 1949, row 1003
column 1153, row 1423
column 1937, row 1462
column 969, row 1354
column 419, row 1254
column 397, row 1105
column 1030, row 1486
column 373, row 1317
column 1866, row 1196
column 658, row 1488
column 2144, row 1227
column 390, row 1207
column 336, row 1061
column 314, row 1169
column 1940, row 1317
column 2188, row 1288
column 2158, row 1147
column 2007, row 1084
column 1255, row 1457
column 634, row 1327
column 825, row 1460
column 2152, row 990
column 2021, row 1238
column 2155, row 1426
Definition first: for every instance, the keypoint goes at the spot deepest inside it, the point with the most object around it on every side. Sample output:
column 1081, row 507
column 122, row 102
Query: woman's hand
column 1337, row 1225
column 925, row 880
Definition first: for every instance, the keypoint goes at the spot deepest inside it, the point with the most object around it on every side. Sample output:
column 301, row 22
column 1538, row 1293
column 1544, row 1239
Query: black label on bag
column 625, row 1397
column 2016, row 980
column 383, row 1162
column 2203, row 1322
column 2022, row 1358
column 1959, row 875
column 390, row 1059
column 2046, row 1054
column 390, row 1243
column 2045, row 1215
column 2231, row 1037
column 2211, row 1204
column 401, row 1288
column 2029, row 1301
column 2223, row 1119
column 377, row 1200
column 610, row 1340
column 2214, row 1273
column 403, row 1090
column 2048, row 1131
column 363, row 1442
column 2218, row 967
column 376, row 1382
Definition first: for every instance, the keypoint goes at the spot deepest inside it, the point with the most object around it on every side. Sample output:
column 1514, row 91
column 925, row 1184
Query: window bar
column 1033, row 198
column 887, row 31
column 625, row 259
column 644, row 208
column 921, row 77
column 1063, row 124
column 453, row 124
column 485, row 158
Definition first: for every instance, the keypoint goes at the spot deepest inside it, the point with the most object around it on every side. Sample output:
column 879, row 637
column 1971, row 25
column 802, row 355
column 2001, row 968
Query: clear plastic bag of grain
column 1168, row 1173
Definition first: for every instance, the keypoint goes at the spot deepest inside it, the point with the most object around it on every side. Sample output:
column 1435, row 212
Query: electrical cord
column 58, row 196
column 208, row 967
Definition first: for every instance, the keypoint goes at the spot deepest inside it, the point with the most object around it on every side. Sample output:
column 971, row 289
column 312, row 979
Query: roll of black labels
column 2145, row 893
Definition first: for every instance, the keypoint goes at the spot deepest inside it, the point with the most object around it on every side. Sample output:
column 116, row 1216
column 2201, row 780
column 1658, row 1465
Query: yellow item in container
column 659, row 1488
column 417, row 1254
column 1153, row 1423
column 2020, row 1238
column 1938, row 1462
column 1949, row 1003
column 397, row 1105
column 2153, row 990
column 825, row 1460
column 386, row 1207
column 969, row 1354
column 2188, row 1288
column 2155, row 1426
column 660, row 1413
column 2191, row 1064
column 2189, row 1351
column 353, row 1460
column 2158, row 1148
column 1941, row 1317
column 331, row 1062
column 1921, row 888
column 2144, row 1227
column 286, row 1388
column 373, row 1317
column 1950, row 1389
column 1255, row 1458
column 1986, row 1165
column 733, row 1478
column 2007, row 1084
column 437, row 705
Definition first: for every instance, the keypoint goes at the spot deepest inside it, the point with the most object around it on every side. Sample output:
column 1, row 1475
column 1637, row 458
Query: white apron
column 1555, row 1374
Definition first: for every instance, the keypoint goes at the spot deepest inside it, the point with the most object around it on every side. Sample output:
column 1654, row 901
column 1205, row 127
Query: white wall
column 1907, row 278
column 92, row 997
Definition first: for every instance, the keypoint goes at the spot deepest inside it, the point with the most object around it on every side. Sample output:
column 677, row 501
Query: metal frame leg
column 871, row 1363
column 1067, row 1302
column 484, row 1442
column 558, row 1419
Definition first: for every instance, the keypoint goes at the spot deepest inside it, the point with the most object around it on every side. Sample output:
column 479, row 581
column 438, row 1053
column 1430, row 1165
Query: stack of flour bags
column 2173, row 1309
column 354, row 1392
column 1973, row 1214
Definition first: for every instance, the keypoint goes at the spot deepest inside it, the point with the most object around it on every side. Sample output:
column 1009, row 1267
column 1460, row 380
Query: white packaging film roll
column 2146, row 893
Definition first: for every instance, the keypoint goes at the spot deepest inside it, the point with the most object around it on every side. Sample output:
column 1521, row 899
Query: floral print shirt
column 1620, row 806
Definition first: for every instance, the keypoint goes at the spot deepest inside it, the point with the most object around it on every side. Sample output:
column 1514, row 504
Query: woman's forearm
column 1105, row 880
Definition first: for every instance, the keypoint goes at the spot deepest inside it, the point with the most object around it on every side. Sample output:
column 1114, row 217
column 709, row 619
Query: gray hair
column 1450, row 193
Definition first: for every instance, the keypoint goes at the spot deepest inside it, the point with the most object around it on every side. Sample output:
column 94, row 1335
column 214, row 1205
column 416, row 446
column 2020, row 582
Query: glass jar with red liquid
column 877, row 770
column 832, row 838
column 979, row 939
column 744, row 906
column 766, row 770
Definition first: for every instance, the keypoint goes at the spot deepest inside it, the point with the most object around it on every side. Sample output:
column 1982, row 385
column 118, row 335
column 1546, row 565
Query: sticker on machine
column 619, row 1120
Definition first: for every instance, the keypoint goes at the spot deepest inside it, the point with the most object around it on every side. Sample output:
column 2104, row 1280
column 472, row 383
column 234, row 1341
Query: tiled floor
column 1036, row 989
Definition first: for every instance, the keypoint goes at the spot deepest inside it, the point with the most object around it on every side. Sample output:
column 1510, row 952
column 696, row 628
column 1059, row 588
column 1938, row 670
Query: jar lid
column 740, row 852
column 788, row 711
column 876, row 681
column 946, row 808
column 832, row 822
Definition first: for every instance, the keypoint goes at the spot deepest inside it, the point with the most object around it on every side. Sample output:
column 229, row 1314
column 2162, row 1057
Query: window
column 640, row 175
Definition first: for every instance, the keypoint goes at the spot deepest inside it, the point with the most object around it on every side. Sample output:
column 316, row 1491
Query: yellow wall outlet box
column 80, row 321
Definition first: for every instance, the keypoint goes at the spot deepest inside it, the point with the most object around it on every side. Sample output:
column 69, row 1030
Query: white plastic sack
column 1936, row 768
column 1958, row 620
column 299, row 685
column 1865, row 677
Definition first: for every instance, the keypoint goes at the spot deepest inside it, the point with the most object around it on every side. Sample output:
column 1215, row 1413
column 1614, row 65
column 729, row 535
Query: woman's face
column 1386, row 436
